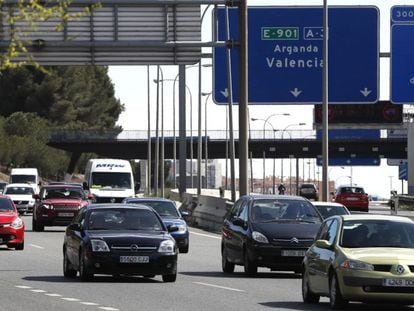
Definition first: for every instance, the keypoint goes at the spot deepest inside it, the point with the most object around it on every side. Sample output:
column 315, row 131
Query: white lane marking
column 22, row 286
column 206, row 235
column 38, row 290
column 88, row 303
column 70, row 299
column 53, row 295
column 108, row 308
column 218, row 286
column 36, row 246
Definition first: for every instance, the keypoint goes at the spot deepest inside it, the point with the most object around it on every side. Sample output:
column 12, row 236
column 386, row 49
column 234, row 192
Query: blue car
column 170, row 216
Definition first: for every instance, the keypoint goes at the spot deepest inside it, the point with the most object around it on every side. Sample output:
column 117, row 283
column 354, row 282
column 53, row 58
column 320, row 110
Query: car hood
column 7, row 217
column 380, row 255
column 168, row 221
column 22, row 197
column 287, row 230
column 129, row 237
column 65, row 201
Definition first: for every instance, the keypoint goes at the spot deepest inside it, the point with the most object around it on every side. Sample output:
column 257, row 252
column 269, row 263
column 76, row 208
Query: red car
column 11, row 225
column 353, row 197
column 57, row 205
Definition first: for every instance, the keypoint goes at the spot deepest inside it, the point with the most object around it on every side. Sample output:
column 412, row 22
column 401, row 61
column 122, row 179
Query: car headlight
column 259, row 237
column 17, row 223
column 182, row 228
column 356, row 265
column 47, row 206
column 99, row 246
column 31, row 202
column 166, row 246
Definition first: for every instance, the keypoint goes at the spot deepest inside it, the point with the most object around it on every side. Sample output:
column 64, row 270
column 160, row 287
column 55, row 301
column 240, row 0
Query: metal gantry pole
column 199, row 144
column 157, row 137
column 182, row 131
column 162, row 171
column 325, row 100
column 149, row 134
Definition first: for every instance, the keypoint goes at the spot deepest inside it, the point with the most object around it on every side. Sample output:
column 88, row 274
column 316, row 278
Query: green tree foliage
column 35, row 103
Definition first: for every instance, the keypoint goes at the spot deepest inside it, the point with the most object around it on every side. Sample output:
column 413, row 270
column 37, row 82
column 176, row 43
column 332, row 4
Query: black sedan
column 170, row 216
column 272, row 231
column 119, row 239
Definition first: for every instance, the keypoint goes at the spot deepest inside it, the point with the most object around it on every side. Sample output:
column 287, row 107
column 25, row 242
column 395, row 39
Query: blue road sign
column 351, row 161
column 402, row 50
column 403, row 171
column 285, row 52
column 353, row 134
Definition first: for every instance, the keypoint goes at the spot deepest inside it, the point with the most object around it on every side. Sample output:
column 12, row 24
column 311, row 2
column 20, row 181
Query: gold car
column 367, row 258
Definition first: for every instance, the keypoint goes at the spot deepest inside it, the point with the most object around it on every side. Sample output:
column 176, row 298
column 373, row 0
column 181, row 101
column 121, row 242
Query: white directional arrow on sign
column 296, row 92
column 365, row 92
column 225, row 93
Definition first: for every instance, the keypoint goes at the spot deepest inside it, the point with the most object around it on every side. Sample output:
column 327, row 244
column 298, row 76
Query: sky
column 131, row 88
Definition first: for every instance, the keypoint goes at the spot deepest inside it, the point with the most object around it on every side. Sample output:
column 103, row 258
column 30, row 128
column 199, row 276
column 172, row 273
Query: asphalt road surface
column 32, row 280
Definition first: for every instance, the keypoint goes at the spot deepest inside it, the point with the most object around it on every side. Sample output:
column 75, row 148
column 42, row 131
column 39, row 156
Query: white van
column 25, row 175
column 109, row 180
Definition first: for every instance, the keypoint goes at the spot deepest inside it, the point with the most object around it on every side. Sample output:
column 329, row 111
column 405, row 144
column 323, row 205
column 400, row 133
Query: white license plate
column 133, row 259
column 293, row 253
column 352, row 199
column 398, row 283
column 66, row 214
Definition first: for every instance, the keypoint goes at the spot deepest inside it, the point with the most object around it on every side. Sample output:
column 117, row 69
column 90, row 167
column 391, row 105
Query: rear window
column 308, row 186
column 352, row 190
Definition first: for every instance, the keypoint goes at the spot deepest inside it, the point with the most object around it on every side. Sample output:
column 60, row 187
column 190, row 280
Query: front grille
column 66, row 207
column 132, row 248
column 383, row 268
column 386, row 289
column 18, row 202
column 292, row 242
column 411, row 268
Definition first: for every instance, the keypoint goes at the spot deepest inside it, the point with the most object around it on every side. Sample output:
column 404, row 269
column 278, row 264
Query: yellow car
column 367, row 258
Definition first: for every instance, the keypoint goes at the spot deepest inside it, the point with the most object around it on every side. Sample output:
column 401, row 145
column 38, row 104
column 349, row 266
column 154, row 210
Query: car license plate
column 398, row 283
column 133, row 259
column 66, row 214
column 293, row 253
column 352, row 199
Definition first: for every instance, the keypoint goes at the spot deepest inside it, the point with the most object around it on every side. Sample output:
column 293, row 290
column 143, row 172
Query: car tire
column 183, row 250
column 335, row 296
column 68, row 271
column 307, row 295
column 36, row 226
column 250, row 267
column 84, row 273
column 19, row 246
column 226, row 266
column 169, row 278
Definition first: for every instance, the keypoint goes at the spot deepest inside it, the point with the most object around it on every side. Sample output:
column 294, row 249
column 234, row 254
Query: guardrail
column 401, row 202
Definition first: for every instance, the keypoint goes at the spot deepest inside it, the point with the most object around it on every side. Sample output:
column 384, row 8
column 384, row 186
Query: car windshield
column 164, row 208
column 123, row 219
column 267, row 210
column 6, row 205
column 19, row 190
column 111, row 180
column 377, row 233
column 22, row 179
column 63, row 193
column 331, row 210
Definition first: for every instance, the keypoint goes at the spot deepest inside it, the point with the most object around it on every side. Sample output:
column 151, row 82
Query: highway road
column 32, row 280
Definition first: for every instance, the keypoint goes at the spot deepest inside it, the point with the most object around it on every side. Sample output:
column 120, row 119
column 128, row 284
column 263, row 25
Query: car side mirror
column 323, row 244
column 239, row 222
column 172, row 228
column 74, row 227
column 184, row 213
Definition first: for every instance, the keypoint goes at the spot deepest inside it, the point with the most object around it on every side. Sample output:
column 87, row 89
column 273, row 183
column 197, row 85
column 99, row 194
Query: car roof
column 274, row 196
column 322, row 203
column 108, row 206
column 19, row 185
column 148, row 199
column 376, row 217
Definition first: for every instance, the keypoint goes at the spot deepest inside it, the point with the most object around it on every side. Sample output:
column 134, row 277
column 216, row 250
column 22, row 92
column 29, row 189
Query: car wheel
column 227, row 266
column 19, row 246
column 307, row 295
column 183, row 250
column 84, row 273
column 68, row 270
column 250, row 267
column 335, row 296
column 169, row 277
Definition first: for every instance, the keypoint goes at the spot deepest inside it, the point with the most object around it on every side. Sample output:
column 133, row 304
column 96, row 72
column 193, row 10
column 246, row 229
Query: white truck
column 109, row 180
column 25, row 175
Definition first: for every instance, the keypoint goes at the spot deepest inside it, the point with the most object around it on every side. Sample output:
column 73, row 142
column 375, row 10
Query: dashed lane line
column 36, row 246
column 220, row 287
column 206, row 235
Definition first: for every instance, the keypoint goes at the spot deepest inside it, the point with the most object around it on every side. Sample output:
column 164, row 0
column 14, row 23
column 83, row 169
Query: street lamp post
column 283, row 132
column 266, row 121
column 162, row 153
column 205, row 137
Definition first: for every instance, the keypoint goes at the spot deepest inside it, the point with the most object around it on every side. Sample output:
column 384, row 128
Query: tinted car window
column 63, row 193
column 19, row 190
column 271, row 209
column 163, row 208
column 6, row 205
column 123, row 219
